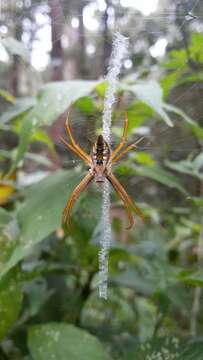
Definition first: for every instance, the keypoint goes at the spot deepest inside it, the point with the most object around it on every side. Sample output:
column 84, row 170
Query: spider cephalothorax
column 100, row 162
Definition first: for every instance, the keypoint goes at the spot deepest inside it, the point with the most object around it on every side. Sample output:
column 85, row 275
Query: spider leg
column 129, row 147
column 123, row 139
column 74, row 144
column 74, row 196
column 126, row 199
column 74, row 150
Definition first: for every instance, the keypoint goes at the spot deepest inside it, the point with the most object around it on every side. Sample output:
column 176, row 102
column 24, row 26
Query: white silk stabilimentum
column 119, row 52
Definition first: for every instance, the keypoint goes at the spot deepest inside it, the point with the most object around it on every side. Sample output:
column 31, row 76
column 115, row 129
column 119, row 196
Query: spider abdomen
column 100, row 152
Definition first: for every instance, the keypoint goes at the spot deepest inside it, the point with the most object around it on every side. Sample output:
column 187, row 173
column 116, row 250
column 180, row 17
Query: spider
column 100, row 162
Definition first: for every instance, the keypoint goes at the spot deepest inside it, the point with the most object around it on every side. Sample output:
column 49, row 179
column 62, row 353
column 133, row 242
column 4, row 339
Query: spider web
column 164, row 15
column 159, row 133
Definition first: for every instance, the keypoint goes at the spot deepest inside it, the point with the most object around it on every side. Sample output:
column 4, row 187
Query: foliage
column 49, row 304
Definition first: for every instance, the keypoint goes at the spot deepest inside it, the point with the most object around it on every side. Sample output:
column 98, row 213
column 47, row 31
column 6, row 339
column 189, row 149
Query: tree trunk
column 15, row 77
column 56, row 14
column 82, row 68
column 107, row 47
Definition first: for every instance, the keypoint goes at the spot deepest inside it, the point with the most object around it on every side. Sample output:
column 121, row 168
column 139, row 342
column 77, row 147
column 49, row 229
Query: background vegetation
column 52, row 54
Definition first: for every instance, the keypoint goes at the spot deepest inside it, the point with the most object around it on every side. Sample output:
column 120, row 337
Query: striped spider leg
column 100, row 161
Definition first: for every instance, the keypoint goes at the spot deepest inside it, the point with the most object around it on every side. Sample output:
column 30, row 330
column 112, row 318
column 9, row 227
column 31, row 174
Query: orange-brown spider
column 100, row 161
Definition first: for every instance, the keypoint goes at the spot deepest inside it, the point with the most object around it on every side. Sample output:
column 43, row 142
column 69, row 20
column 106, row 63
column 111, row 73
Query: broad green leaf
column 196, row 47
column 152, row 95
column 170, row 348
column 40, row 213
column 5, row 216
column 193, row 351
column 138, row 112
column 195, row 127
column 10, row 301
column 177, row 60
column 55, row 98
column 162, row 176
column 147, row 314
column 5, row 154
column 25, row 138
column 143, row 158
column 40, row 159
column 178, row 111
column 169, row 81
column 101, row 88
column 133, row 279
column 41, row 136
column 15, row 47
column 86, row 105
column 8, row 234
column 120, row 315
column 185, row 167
column 20, row 107
column 157, row 348
column 198, row 161
column 7, row 96
column 198, row 201
column 162, row 348
column 64, row 341
column 37, row 293
column 195, row 278
column 198, row 77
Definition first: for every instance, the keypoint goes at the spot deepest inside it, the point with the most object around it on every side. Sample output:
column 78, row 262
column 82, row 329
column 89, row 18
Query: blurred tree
column 56, row 15
column 107, row 39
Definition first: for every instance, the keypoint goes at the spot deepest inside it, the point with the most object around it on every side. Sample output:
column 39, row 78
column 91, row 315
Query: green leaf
column 196, row 47
column 42, row 136
column 152, row 95
column 15, row 47
column 143, row 158
column 10, row 301
column 185, row 167
column 192, row 351
column 138, row 112
column 55, row 98
column 195, row 127
column 101, row 88
column 86, row 105
column 197, row 200
column 195, row 278
column 40, row 214
column 5, row 217
column 157, row 348
column 147, row 315
column 179, row 112
column 177, row 60
column 169, row 81
column 162, row 176
column 37, row 293
column 20, row 107
column 64, row 341
column 135, row 280
column 40, row 159
column 198, row 161
column 25, row 138
column 166, row 348
column 7, row 96
column 198, row 77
